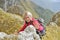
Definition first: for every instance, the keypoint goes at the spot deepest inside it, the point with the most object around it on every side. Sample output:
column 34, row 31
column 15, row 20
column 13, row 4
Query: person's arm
column 23, row 27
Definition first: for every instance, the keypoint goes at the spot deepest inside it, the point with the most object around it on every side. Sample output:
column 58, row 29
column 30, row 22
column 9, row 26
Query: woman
column 29, row 20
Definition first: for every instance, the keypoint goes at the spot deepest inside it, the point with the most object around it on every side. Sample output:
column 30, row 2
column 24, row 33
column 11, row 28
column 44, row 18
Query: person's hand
column 16, row 33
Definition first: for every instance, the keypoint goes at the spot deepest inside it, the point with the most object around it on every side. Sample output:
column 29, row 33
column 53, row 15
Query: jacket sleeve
column 23, row 27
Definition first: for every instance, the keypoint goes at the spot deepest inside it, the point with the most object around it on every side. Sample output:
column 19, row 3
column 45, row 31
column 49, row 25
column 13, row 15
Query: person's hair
column 27, row 13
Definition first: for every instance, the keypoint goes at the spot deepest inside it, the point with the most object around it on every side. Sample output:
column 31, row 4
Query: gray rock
column 2, row 35
column 28, row 34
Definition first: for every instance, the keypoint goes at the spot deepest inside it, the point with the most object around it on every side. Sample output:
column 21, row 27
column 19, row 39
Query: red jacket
column 33, row 22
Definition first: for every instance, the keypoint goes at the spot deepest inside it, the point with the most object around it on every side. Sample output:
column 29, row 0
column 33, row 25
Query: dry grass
column 52, row 33
column 9, row 22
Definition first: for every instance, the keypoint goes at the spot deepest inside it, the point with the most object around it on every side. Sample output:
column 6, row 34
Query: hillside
column 9, row 22
column 52, row 32
column 19, row 6
column 46, row 14
column 56, row 18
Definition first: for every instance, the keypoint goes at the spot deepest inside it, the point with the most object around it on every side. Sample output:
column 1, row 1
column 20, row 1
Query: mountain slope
column 56, row 18
column 24, row 5
column 46, row 14
column 52, row 32
column 19, row 6
column 9, row 22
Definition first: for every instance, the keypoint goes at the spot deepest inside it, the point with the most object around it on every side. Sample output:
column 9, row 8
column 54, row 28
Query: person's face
column 27, row 18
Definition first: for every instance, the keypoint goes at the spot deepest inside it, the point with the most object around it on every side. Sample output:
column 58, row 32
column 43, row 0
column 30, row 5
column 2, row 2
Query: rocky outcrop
column 28, row 34
column 56, row 18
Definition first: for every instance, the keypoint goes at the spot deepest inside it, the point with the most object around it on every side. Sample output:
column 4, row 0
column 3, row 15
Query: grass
column 9, row 22
column 52, row 33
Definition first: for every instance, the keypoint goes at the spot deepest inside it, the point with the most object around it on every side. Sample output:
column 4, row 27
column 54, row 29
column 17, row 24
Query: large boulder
column 28, row 34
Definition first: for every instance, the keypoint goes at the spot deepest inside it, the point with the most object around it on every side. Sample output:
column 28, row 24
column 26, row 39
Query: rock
column 2, row 35
column 28, row 34
column 53, row 24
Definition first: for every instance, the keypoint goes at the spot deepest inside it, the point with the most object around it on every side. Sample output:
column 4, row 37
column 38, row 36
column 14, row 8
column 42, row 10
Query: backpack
column 41, row 21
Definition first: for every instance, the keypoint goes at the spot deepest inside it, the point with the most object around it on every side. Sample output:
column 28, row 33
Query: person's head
column 27, row 16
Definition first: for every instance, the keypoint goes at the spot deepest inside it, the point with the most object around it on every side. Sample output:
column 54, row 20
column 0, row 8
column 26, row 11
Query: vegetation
column 9, row 22
column 19, row 6
column 56, row 18
column 52, row 33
